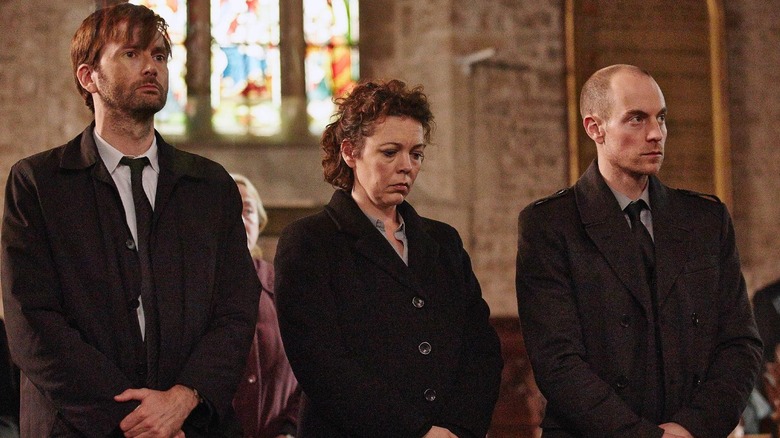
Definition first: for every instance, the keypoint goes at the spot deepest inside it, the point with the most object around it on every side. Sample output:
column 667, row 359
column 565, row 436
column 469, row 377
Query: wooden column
column 292, row 54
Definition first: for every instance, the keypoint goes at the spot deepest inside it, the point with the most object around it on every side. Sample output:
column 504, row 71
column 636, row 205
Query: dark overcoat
column 68, row 282
column 588, row 323
column 379, row 348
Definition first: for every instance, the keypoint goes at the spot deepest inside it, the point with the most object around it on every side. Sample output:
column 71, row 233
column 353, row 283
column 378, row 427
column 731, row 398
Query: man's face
column 631, row 140
column 132, row 79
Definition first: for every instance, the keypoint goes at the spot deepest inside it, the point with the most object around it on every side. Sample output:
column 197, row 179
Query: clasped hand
column 160, row 414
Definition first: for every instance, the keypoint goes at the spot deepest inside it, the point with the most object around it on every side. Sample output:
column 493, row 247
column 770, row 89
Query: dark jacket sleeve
column 554, row 339
column 48, row 350
column 719, row 400
column 479, row 374
column 355, row 398
column 216, row 363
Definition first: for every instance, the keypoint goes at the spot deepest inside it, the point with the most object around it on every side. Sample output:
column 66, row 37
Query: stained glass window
column 331, row 32
column 246, row 96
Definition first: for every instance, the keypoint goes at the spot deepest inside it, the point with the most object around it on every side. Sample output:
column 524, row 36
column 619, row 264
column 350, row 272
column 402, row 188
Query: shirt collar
column 111, row 155
column 624, row 200
column 381, row 225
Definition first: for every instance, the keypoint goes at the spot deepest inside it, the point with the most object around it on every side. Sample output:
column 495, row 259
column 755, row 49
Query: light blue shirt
column 646, row 216
column 400, row 234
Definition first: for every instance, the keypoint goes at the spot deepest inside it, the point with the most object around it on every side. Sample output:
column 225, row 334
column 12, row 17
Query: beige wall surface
column 501, row 137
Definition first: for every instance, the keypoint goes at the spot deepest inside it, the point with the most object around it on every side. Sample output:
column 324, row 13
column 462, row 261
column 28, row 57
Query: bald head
column 596, row 97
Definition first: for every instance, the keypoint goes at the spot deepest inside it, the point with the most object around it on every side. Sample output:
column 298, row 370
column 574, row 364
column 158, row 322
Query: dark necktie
column 143, row 221
column 143, row 209
column 642, row 236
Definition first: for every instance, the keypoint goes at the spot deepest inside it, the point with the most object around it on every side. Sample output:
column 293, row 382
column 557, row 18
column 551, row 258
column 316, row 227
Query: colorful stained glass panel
column 245, row 84
column 331, row 31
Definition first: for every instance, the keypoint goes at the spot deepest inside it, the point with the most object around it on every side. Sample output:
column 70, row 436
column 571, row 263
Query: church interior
column 502, row 77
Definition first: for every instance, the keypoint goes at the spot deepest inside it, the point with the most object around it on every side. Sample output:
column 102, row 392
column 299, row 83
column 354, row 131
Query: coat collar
column 81, row 154
column 423, row 249
column 606, row 225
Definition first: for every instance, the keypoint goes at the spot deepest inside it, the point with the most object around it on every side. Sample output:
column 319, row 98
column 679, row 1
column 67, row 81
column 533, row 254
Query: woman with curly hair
column 381, row 315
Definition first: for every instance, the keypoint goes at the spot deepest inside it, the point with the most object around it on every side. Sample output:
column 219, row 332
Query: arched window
column 265, row 68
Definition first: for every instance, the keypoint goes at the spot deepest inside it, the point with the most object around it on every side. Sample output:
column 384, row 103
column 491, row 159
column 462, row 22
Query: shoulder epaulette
column 700, row 195
column 557, row 194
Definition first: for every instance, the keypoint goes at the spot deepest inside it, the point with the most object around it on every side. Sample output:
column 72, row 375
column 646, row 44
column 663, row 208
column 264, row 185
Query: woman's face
column 250, row 216
column 387, row 165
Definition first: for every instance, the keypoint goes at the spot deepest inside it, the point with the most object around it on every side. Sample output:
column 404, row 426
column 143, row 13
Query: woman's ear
column 348, row 153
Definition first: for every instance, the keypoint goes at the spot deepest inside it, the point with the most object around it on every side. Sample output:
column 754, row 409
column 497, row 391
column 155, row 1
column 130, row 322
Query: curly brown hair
column 104, row 26
column 356, row 117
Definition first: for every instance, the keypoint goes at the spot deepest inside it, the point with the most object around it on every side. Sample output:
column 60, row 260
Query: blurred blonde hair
column 261, row 213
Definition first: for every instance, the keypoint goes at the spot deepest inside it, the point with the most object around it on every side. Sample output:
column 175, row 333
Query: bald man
column 630, row 294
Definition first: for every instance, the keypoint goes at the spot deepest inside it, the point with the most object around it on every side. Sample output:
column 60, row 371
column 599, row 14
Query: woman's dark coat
column 381, row 349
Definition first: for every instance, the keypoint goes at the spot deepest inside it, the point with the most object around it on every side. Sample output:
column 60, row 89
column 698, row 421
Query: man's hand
column 439, row 432
column 160, row 414
column 674, row 430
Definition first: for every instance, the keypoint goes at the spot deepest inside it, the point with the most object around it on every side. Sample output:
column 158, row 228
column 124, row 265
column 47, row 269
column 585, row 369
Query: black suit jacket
column 588, row 323
column 381, row 349
column 67, row 276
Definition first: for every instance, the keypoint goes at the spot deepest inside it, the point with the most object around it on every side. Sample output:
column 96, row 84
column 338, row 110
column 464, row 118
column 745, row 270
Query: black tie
column 143, row 209
column 143, row 221
column 642, row 236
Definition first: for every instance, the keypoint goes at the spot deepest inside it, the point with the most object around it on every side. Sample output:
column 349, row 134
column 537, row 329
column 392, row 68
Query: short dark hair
column 595, row 97
column 104, row 26
column 355, row 118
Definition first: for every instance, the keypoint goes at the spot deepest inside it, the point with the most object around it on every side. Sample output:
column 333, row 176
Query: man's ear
column 348, row 153
column 85, row 77
column 594, row 129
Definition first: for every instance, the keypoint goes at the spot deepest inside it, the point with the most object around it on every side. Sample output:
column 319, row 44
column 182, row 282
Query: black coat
column 357, row 324
column 588, row 323
column 67, row 279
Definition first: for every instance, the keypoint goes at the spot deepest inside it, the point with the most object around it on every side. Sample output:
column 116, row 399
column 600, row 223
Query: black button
column 424, row 347
column 140, row 369
column 695, row 318
column 134, row 303
column 622, row 382
column 430, row 394
column 696, row 380
column 418, row 302
column 625, row 320
column 130, row 244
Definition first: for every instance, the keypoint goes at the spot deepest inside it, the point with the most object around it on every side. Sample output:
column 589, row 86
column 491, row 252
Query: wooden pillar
column 292, row 47
column 198, row 75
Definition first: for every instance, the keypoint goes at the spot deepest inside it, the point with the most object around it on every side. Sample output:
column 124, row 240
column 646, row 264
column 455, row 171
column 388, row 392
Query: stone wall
column 753, row 45
column 501, row 127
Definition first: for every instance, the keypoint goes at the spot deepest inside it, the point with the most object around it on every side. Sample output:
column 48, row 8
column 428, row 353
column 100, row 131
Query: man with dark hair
column 130, row 296
column 632, row 303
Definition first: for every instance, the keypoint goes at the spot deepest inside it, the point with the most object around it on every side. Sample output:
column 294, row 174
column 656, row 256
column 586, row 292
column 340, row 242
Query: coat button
column 622, row 382
column 695, row 318
column 430, row 394
column 252, row 378
column 130, row 244
column 418, row 302
column 424, row 347
column 134, row 303
column 625, row 320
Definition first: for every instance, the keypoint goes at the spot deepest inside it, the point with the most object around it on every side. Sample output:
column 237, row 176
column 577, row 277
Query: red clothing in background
column 267, row 399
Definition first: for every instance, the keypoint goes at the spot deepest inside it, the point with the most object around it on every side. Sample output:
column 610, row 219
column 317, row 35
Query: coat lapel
column 607, row 228
column 671, row 236
column 369, row 242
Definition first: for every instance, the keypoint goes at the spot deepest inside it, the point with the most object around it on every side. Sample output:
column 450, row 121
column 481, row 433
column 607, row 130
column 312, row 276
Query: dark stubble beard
column 123, row 99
